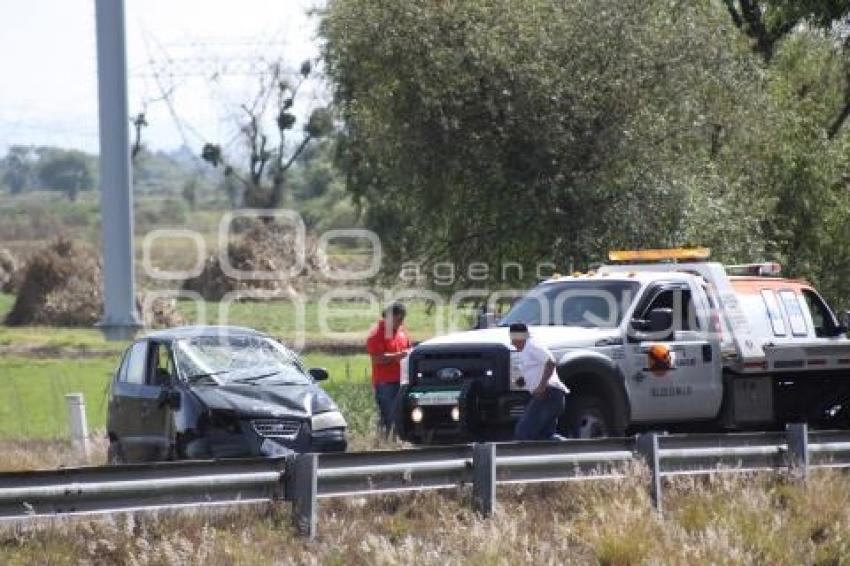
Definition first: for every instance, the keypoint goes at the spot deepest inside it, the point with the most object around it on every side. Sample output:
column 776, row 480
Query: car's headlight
column 330, row 419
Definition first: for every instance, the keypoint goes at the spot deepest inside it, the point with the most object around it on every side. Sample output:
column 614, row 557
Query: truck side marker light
column 659, row 359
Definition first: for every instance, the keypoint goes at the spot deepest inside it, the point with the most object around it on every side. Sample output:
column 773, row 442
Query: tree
column 318, row 190
column 767, row 22
column 69, row 171
column 270, row 158
column 540, row 131
column 18, row 168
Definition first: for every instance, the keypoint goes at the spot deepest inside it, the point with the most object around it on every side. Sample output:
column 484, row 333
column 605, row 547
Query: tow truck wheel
column 586, row 416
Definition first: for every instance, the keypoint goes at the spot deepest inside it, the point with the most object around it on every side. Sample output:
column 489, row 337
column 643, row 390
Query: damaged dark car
column 218, row 392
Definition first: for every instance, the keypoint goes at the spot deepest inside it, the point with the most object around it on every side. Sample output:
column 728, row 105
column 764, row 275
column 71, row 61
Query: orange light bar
column 672, row 254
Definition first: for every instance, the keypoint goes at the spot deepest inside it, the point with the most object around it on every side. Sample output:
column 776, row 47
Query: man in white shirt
column 548, row 392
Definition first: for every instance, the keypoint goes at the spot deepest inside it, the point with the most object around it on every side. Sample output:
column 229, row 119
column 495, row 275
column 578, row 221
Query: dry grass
column 48, row 454
column 726, row 519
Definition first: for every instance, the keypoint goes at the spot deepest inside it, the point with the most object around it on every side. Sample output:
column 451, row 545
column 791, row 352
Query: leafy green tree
column 318, row 190
column 537, row 131
column 17, row 168
column 69, row 171
column 767, row 22
column 805, row 168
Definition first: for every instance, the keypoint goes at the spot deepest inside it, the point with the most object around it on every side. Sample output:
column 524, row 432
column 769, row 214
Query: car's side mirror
column 660, row 320
column 318, row 374
column 657, row 326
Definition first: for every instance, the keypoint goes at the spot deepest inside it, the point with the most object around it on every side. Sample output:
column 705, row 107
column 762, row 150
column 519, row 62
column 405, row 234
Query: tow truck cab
column 677, row 342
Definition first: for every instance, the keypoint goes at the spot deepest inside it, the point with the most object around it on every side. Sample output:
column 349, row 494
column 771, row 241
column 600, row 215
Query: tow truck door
column 676, row 377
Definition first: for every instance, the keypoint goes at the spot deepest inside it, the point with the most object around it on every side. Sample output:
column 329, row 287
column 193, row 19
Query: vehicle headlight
column 416, row 415
column 330, row 419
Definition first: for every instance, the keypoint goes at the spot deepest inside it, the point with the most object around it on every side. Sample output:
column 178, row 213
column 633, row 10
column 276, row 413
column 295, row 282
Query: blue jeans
column 386, row 396
column 540, row 419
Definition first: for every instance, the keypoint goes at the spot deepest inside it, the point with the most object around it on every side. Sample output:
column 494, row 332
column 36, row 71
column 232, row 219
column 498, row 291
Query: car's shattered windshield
column 590, row 304
column 249, row 359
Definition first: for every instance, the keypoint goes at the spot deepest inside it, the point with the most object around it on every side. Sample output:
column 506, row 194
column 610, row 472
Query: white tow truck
column 658, row 338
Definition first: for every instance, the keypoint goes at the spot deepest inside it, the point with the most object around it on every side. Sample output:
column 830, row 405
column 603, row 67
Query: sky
column 190, row 65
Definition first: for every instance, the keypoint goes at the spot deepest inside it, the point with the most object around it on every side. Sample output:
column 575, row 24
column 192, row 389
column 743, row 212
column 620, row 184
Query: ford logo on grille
column 449, row 374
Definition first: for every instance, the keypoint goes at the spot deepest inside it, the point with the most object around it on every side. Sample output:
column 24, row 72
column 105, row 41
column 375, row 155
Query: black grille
column 277, row 428
column 444, row 364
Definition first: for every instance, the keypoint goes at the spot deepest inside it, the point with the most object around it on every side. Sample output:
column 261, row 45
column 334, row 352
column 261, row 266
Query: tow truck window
column 681, row 302
column 589, row 304
column 771, row 304
column 822, row 318
column 796, row 318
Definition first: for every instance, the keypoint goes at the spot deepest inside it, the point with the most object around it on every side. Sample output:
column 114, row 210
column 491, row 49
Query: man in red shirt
column 387, row 345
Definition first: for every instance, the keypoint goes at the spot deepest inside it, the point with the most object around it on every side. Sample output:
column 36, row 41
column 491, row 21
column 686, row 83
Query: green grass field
column 34, row 392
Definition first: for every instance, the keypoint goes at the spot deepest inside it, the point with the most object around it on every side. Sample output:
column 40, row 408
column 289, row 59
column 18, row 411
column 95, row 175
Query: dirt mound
column 8, row 271
column 159, row 312
column 62, row 285
column 265, row 247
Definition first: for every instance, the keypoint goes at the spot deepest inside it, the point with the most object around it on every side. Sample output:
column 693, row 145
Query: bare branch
column 295, row 154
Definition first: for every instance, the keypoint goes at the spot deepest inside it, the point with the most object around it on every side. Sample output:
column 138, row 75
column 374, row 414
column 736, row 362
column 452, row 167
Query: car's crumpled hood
column 266, row 400
column 553, row 337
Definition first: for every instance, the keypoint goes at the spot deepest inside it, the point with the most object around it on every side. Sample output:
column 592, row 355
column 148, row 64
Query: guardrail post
column 77, row 423
column 305, row 503
column 797, row 436
column 647, row 446
column 484, row 478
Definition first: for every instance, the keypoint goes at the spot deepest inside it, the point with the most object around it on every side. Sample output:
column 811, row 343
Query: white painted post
column 79, row 427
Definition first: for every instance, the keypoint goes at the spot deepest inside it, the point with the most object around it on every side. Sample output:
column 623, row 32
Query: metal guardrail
column 307, row 478
column 132, row 487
